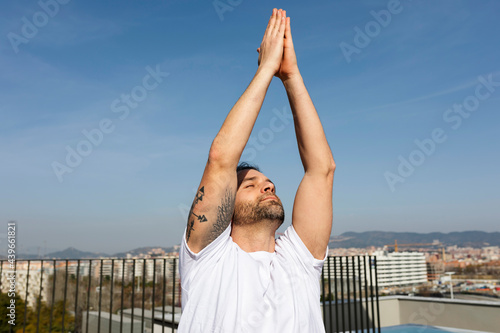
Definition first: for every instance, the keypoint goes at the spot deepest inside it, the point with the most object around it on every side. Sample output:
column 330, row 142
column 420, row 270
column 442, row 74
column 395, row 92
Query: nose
column 268, row 187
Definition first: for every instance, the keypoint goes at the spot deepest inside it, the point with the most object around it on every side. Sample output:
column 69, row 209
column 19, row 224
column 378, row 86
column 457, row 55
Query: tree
column 5, row 302
column 44, row 323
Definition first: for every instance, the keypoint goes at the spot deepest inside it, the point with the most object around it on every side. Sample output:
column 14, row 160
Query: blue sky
column 69, row 69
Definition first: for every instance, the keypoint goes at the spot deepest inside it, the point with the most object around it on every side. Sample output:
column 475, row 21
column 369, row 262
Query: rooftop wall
column 470, row 315
column 479, row 316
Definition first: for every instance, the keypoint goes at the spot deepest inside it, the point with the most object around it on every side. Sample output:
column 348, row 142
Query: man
column 235, row 276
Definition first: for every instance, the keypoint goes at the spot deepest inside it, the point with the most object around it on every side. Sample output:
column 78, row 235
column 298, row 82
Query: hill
column 475, row 239
column 69, row 253
column 72, row 253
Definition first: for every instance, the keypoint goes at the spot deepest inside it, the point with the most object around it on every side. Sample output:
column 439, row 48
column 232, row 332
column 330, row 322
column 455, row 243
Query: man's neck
column 254, row 237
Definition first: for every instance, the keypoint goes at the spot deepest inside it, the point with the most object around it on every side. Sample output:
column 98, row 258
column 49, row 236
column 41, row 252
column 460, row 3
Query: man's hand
column 288, row 67
column 271, row 48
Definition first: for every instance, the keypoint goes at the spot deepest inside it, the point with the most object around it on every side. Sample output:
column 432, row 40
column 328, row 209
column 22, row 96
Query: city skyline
column 337, row 243
column 109, row 110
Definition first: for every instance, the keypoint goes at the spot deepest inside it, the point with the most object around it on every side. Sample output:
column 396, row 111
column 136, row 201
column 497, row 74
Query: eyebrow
column 248, row 179
column 254, row 178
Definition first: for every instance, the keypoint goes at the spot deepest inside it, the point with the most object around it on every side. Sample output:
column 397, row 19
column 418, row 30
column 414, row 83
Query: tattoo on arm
column 224, row 215
column 189, row 229
column 201, row 218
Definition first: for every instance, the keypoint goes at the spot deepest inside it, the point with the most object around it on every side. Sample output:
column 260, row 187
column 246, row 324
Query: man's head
column 256, row 199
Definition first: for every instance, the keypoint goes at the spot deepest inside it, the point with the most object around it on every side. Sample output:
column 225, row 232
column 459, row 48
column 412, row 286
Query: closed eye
column 249, row 186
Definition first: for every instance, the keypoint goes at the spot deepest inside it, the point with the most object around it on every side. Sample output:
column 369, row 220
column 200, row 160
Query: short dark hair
column 246, row 166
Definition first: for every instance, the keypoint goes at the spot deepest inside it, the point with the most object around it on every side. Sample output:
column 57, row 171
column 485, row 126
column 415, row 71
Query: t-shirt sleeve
column 190, row 263
column 293, row 244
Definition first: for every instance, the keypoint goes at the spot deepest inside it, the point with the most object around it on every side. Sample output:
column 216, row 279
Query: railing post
column 354, row 294
column 76, row 293
column 53, row 294
column 371, row 294
column 143, row 290
column 153, row 297
column 330, row 293
column 336, row 295
column 88, row 296
column 39, row 301
column 173, row 295
column 26, row 297
column 324, row 297
column 133, row 291
column 360, row 294
column 111, row 294
column 342, row 293
column 367, row 309
column 124, row 263
column 65, row 292
column 348, row 294
column 100, row 298
column 164, row 291
column 376, row 293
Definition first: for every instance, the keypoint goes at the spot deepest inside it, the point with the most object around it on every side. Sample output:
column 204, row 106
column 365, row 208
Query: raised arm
column 213, row 206
column 312, row 208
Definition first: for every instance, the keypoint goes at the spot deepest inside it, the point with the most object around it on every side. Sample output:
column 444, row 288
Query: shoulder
column 191, row 264
column 291, row 246
column 215, row 247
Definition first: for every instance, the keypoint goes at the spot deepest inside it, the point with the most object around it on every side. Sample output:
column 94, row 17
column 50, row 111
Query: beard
column 253, row 212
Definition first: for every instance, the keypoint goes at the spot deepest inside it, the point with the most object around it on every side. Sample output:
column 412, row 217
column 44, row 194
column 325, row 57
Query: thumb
column 288, row 30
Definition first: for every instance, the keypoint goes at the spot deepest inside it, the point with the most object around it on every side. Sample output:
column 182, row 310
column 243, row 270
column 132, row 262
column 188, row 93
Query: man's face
column 256, row 200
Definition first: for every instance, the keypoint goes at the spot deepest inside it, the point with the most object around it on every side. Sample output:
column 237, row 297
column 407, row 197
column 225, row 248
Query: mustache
column 266, row 196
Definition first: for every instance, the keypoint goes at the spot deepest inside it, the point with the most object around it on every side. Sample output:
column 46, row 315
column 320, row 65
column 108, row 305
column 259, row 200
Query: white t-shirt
column 225, row 289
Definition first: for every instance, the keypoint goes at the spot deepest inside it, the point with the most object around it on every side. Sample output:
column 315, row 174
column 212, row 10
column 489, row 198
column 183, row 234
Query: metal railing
column 143, row 295
column 94, row 295
column 353, row 305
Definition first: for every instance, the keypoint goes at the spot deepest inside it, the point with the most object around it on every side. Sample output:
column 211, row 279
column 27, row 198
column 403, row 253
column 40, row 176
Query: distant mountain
column 475, row 239
column 72, row 253
column 69, row 253
column 142, row 250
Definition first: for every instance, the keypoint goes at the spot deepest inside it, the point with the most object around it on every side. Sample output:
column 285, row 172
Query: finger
column 268, row 24
column 272, row 23
column 288, row 29
column 277, row 22
column 283, row 20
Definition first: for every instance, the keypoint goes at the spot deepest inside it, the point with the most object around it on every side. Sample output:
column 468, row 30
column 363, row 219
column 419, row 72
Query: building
column 400, row 268
column 396, row 269
column 27, row 278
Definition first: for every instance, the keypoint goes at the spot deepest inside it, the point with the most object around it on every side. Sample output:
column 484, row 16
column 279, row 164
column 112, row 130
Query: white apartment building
column 393, row 269
column 151, row 268
column 31, row 278
column 400, row 268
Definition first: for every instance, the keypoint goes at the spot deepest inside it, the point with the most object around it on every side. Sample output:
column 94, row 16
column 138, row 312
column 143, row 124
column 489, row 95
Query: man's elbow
column 220, row 156
column 321, row 168
column 330, row 168
column 328, row 164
